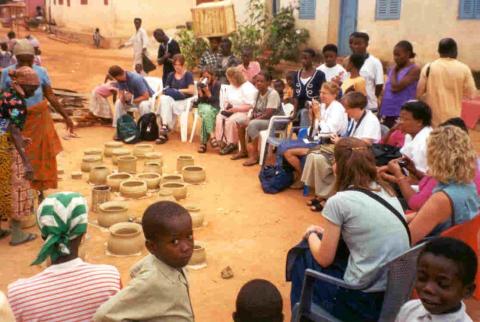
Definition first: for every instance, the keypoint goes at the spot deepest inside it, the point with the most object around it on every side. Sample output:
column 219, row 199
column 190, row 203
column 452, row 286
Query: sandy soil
column 247, row 229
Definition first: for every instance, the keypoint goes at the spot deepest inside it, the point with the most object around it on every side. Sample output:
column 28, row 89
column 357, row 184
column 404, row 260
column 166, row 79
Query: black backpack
column 148, row 127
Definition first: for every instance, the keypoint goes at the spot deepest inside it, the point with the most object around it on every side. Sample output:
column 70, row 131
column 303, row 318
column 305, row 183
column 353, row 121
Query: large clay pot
column 166, row 195
column 133, row 188
column 183, row 161
column 199, row 255
column 98, row 174
column 153, row 166
column 197, row 216
column 112, row 212
column 119, row 152
column 29, row 221
column 172, row 178
column 110, row 146
column 127, row 163
column 96, row 152
column 141, row 149
column 100, row 194
column 114, row 180
column 154, row 156
column 89, row 162
column 125, row 239
column 76, row 175
column 194, row 174
column 179, row 189
column 152, row 179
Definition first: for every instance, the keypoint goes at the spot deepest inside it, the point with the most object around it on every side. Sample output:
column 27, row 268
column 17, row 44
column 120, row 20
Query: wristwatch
column 319, row 235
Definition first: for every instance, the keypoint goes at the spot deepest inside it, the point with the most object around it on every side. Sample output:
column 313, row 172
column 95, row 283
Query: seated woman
column 178, row 87
column 329, row 117
column 240, row 99
column 452, row 161
column 355, row 82
column 358, row 235
column 208, row 106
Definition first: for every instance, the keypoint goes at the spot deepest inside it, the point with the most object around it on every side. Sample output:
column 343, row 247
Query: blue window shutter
column 469, row 9
column 388, row 9
column 477, row 9
column 307, row 9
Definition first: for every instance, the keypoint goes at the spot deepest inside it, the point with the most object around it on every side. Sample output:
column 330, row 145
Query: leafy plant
column 250, row 33
column 191, row 47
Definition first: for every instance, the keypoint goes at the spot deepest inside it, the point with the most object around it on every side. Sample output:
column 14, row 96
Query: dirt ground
column 247, row 229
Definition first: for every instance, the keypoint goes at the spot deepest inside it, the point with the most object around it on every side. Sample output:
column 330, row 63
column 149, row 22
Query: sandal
column 228, row 149
column 314, row 201
column 29, row 238
column 202, row 148
column 214, row 143
column 250, row 162
column 319, row 206
column 162, row 138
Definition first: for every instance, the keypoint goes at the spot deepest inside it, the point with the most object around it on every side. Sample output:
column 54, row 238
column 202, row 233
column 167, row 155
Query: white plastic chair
column 184, row 115
column 156, row 84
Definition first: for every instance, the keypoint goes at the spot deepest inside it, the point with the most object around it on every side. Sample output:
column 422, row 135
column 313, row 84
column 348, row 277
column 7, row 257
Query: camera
column 402, row 163
column 203, row 83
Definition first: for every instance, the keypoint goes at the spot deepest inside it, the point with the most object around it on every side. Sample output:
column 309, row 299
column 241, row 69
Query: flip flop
column 214, row 143
column 202, row 148
column 30, row 238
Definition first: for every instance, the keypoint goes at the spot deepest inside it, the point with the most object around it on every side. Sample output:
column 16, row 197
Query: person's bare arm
column 378, row 90
column 412, row 76
column 324, row 250
column 189, row 90
column 19, row 144
column 48, row 92
column 422, row 85
column 144, row 97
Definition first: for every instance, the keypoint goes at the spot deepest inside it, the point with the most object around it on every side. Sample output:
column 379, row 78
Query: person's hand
column 334, row 138
column 207, row 92
column 69, row 124
column 313, row 228
column 28, row 171
column 409, row 164
column 144, row 51
column 228, row 106
column 315, row 108
column 127, row 97
column 233, row 110
column 388, row 177
column 394, row 168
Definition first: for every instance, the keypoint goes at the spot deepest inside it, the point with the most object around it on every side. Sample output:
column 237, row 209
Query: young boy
column 446, row 271
column 159, row 291
column 97, row 38
column 330, row 68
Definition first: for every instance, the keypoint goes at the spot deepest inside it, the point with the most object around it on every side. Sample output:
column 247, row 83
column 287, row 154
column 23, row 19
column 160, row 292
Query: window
column 105, row 2
column 83, row 1
column 275, row 7
column 469, row 9
column 307, row 9
column 68, row 3
column 60, row 2
column 388, row 9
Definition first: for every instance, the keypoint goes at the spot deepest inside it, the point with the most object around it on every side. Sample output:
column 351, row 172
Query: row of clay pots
column 112, row 212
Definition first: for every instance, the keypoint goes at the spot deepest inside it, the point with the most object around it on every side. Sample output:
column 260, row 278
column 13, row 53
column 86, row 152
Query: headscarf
column 61, row 218
column 23, row 47
column 25, row 76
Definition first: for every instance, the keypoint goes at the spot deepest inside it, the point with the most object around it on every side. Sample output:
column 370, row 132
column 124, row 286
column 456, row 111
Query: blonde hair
column 451, row 155
column 332, row 87
column 236, row 74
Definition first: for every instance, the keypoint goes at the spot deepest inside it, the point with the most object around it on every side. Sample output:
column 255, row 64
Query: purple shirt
column 392, row 102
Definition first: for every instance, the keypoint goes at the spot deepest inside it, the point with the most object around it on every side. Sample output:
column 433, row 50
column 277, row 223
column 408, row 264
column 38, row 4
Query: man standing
column 139, row 42
column 211, row 56
column 168, row 48
column 226, row 60
column 445, row 82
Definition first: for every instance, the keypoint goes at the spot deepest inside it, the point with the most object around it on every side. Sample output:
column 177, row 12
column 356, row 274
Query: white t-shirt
column 372, row 72
column 332, row 119
column 331, row 72
column 369, row 128
column 245, row 94
column 416, row 148
column 414, row 311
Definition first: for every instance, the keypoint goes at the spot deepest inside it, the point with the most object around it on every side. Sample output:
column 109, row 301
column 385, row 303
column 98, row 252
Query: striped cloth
column 70, row 291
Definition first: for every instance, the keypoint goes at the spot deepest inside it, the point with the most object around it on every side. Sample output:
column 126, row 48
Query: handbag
column 174, row 93
column 384, row 153
column 148, row 66
column 275, row 179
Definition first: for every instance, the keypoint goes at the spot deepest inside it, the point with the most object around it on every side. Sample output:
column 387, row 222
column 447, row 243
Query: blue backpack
column 127, row 130
column 275, row 179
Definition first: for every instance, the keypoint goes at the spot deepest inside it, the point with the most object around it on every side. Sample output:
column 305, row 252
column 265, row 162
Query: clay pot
column 141, row 149
column 154, row 156
column 194, row 174
column 119, row 152
column 76, row 175
column 127, row 163
column 98, row 174
column 153, row 166
column 100, row 194
column 133, row 188
column 179, row 189
column 197, row 216
column 89, row 162
column 110, row 146
column 199, row 254
column 172, row 178
column 152, row 179
column 125, row 239
column 112, row 212
column 95, row 152
column 183, row 161
column 166, row 195
column 29, row 221
column 60, row 171
column 114, row 180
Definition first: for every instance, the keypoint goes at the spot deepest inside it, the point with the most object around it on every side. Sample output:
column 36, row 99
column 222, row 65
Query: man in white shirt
column 332, row 70
column 139, row 42
column 372, row 69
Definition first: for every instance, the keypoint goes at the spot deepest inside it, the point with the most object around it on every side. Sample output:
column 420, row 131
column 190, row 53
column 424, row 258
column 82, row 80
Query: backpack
column 127, row 129
column 148, row 127
column 275, row 179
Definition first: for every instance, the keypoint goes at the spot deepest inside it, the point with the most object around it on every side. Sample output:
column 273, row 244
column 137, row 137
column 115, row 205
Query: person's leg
column 144, row 108
column 119, row 111
column 166, row 111
column 253, row 132
column 304, row 117
column 293, row 158
column 219, row 128
column 242, row 153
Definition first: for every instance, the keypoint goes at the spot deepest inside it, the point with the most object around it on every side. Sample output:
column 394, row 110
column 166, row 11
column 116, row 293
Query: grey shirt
column 373, row 234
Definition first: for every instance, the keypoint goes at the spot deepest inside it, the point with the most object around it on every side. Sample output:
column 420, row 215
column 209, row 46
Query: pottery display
column 141, row 149
column 127, row 163
column 166, row 195
column 199, row 255
column 153, row 166
column 112, row 212
column 133, row 188
column 194, row 174
column 97, row 152
column 100, row 194
column 125, row 239
column 98, row 174
column 183, row 161
column 114, row 180
column 90, row 161
column 172, row 178
column 154, row 156
column 119, row 152
column 60, row 171
column 76, row 175
column 197, row 216
column 152, row 179
column 29, row 221
column 110, row 146
column 179, row 189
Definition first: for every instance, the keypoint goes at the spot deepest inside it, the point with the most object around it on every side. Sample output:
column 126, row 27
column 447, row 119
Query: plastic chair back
column 223, row 96
column 302, row 133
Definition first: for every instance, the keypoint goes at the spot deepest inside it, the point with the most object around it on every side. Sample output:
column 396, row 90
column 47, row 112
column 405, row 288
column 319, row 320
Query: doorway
column 348, row 24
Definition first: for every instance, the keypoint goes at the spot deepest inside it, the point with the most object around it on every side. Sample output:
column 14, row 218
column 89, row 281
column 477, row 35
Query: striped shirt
column 70, row 291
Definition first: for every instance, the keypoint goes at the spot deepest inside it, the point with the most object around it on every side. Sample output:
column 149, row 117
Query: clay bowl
column 114, row 180
column 166, row 195
column 125, row 239
column 199, row 255
column 76, row 175
column 151, row 178
column 153, row 166
column 141, row 149
column 127, row 163
column 119, row 152
column 88, row 162
column 172, row 178
column 194, row 174
column 93, row 152
column 112, row 212
column 60, row 171
column 98, row 174
column 110, row 146
column 133, row 188
column 197, row 216
column 154, row 156
column 179, row 189
column 183, row 161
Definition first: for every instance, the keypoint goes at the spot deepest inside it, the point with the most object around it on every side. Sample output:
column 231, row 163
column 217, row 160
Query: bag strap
column 388, row 206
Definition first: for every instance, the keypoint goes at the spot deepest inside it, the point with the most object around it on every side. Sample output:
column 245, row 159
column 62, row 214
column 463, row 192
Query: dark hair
column 279, row 81
column 159, row 31
column 178, row 57
column 309, row 51
column 458, row 252
column 11, row 34
column 448, row 47
column 208, row 69
column 115, row 71
column 420, row 111
column 227, row 41
column 357, row 60
column 247, row 51
column 330, row 47
column 266, row 75
column 157, row 216
column 97, row 29
column 362, row 35
column 258, row 301
column 355, row 100
column 407, row 46
column 456, row 121
column 137, row 19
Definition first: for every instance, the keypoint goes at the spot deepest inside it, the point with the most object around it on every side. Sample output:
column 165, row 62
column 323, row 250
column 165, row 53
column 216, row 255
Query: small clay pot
column 96, row 152
column 60, row 171
column 100, row 194
column 179, row 189
column 199, row 255
column 133, row 188
column 141, row 149
column 110, row 146
column 172, row 178
column 89, row 162
column 114, row 180
column 152, row 179
column 29, row 221
column 76, row 175
column 153, row 166
column 197, row 216
column 183, row 161
column 112, row 212
column 119, row 152
column 127, row 163
column 125, row 239
column 194, row 174
column 154, row 156
column 98, row 174
column 166, row 195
